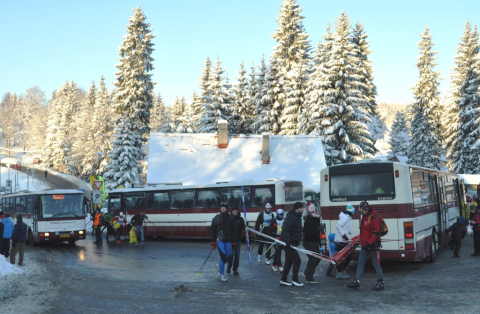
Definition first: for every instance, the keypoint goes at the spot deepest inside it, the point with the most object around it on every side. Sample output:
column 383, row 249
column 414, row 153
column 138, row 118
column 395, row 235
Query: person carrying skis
column 459, row 231
column 311, row 241
column 237, row 227
column 137, row 223
column 344, row 225
column 370, row 243
column 291, row 235
column 275, row 230
column 262, row 224
column 221, row 236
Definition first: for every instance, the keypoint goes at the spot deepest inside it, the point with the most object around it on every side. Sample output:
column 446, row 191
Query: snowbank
column 7, row 268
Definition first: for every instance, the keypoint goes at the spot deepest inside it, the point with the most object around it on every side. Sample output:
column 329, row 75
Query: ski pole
column 204, row 263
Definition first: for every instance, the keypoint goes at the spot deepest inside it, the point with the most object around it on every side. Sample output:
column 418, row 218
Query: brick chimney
column 265, row 148
column 222, row 134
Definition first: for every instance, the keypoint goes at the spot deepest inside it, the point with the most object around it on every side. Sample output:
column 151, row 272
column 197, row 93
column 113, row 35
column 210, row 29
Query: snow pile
column 7, row 268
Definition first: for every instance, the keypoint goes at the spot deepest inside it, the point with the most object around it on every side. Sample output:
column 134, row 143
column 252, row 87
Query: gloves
column 345, row 237
column 214, row 245
column 278, row 238
column 367, row 247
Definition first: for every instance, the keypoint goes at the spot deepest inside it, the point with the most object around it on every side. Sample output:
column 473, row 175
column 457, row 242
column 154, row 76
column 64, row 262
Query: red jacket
column 367, row 235
column 475, row 222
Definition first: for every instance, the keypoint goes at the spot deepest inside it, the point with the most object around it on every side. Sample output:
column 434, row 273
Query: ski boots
column 378, row 286
column 354, row 284
column 280, row 269
column 267, row 261
column 274, row 268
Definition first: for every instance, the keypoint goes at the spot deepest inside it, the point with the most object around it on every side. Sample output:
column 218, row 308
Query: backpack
column 383, row 225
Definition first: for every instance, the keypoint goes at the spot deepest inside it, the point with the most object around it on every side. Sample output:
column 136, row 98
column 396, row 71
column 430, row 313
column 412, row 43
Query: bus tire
column 71, row 242
column 31, row 242
column 433, row 248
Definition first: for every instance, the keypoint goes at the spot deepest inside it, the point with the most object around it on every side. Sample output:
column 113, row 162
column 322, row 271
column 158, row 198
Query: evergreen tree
column 158, row 114
column 291, row 58
column 242, row 103
column 260, row 92
column 217, row 103
column 467, row 54
column 399, row 135
column 253, row 89
column 103, row 121
column 270, row 106
column 198, row 107
column 344, row 131
column 425, row 149
column 133, row 102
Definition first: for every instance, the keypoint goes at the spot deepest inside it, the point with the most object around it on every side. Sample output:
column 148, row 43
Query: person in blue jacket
column 7, row 234
column 19, row 237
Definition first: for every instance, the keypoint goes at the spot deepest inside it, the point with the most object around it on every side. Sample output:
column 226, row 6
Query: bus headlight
column 80, row 232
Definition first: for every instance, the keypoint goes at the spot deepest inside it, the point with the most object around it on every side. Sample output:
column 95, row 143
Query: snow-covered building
column 207, row 158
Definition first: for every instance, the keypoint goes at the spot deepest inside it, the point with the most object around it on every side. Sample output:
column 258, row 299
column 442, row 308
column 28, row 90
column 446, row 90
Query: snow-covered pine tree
column 133, row 102
column 217, row 102
column 158, row 114
column 54, row 116
column 291, row 56
column 425, row 149
column 10, row 106
column 103, row 121
column 467, row 53
column 368, row 90
column 399, row 135
column 241, row 103
column 344, row 130
column 198, row 107
column 311, row 119
column 260, row 110
column 269, row 107
column 252, row 90
column 185, row 120
column 36, row 117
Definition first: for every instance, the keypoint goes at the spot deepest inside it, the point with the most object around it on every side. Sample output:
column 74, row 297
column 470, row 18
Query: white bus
column 417, row 204
column 51, row 215
column 187, row 211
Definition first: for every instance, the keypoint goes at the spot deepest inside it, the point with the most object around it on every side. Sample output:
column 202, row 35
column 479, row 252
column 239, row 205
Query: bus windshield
column 62, row 206
column 362, row 182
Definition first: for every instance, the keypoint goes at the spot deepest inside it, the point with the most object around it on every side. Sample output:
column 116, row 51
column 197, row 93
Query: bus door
column 36, row 212
column 443, row 211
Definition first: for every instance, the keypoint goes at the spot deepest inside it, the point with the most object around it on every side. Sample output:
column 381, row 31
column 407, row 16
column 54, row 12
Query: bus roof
column 45, row 192
column 202, row 186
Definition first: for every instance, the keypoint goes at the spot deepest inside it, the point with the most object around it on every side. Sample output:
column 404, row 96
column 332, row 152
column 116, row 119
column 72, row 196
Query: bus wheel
column 433, row 248
column 71, row 242
column 30, row 239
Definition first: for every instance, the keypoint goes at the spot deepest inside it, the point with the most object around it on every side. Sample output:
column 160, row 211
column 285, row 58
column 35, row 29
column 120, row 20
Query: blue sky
column 46, row 43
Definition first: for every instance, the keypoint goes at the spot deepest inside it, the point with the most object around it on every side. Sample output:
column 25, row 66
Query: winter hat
column 268, row 205
column 121, row 214
column 298, row 205
column 234, row 208
column 331, row 237
column 350, row 209
column 462, row 220
column 311, row 208
column 224, row 205
column 280, row 212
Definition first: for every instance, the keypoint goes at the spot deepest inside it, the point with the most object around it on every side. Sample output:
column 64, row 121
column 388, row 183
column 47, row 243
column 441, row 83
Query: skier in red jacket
column 370, row 243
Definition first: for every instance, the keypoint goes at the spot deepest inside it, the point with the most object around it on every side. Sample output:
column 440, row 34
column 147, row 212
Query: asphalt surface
column 123, row 278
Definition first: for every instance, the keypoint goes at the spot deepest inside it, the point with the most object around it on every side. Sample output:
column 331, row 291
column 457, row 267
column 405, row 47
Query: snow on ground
column 7, row 268
column 24, row 182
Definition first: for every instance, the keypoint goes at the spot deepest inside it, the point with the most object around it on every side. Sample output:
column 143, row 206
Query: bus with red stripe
column 418, row 204
column 187, row 211
column 51, row 215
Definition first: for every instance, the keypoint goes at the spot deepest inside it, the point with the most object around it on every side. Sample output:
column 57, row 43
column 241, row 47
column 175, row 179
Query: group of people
column 16, row 234
column 226, row 231
column 117, row 226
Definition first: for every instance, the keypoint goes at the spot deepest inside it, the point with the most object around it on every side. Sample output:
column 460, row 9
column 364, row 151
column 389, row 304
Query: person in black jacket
column 311, row 241
column 237, row 227
column 459, row 231
column 1, row 231
column 19, row 237
column 137, row 222
column 291, row 235
column 221, row 236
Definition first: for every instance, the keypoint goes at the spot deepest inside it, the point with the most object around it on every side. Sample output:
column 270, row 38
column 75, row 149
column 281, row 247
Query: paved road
column 115, row 278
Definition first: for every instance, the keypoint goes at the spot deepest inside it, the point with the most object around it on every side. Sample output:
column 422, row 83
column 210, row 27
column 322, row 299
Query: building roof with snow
column 207, row 158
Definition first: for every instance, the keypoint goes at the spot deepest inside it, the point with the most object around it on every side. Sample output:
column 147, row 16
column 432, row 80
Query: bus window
column 158, row 200
column 264, row 196
column 421, row 188
column 135, row 200
column 293, row 191
column 115, row 201
column 183, row 199
column 233, row 196
column 29, row 205
column 208, row 198
column 21, row 204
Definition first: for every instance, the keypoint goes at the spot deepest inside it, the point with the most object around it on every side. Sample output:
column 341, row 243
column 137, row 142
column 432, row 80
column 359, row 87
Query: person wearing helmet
column 369, row 240
column 221, row 236
column 275, row 230
column 262, row 224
